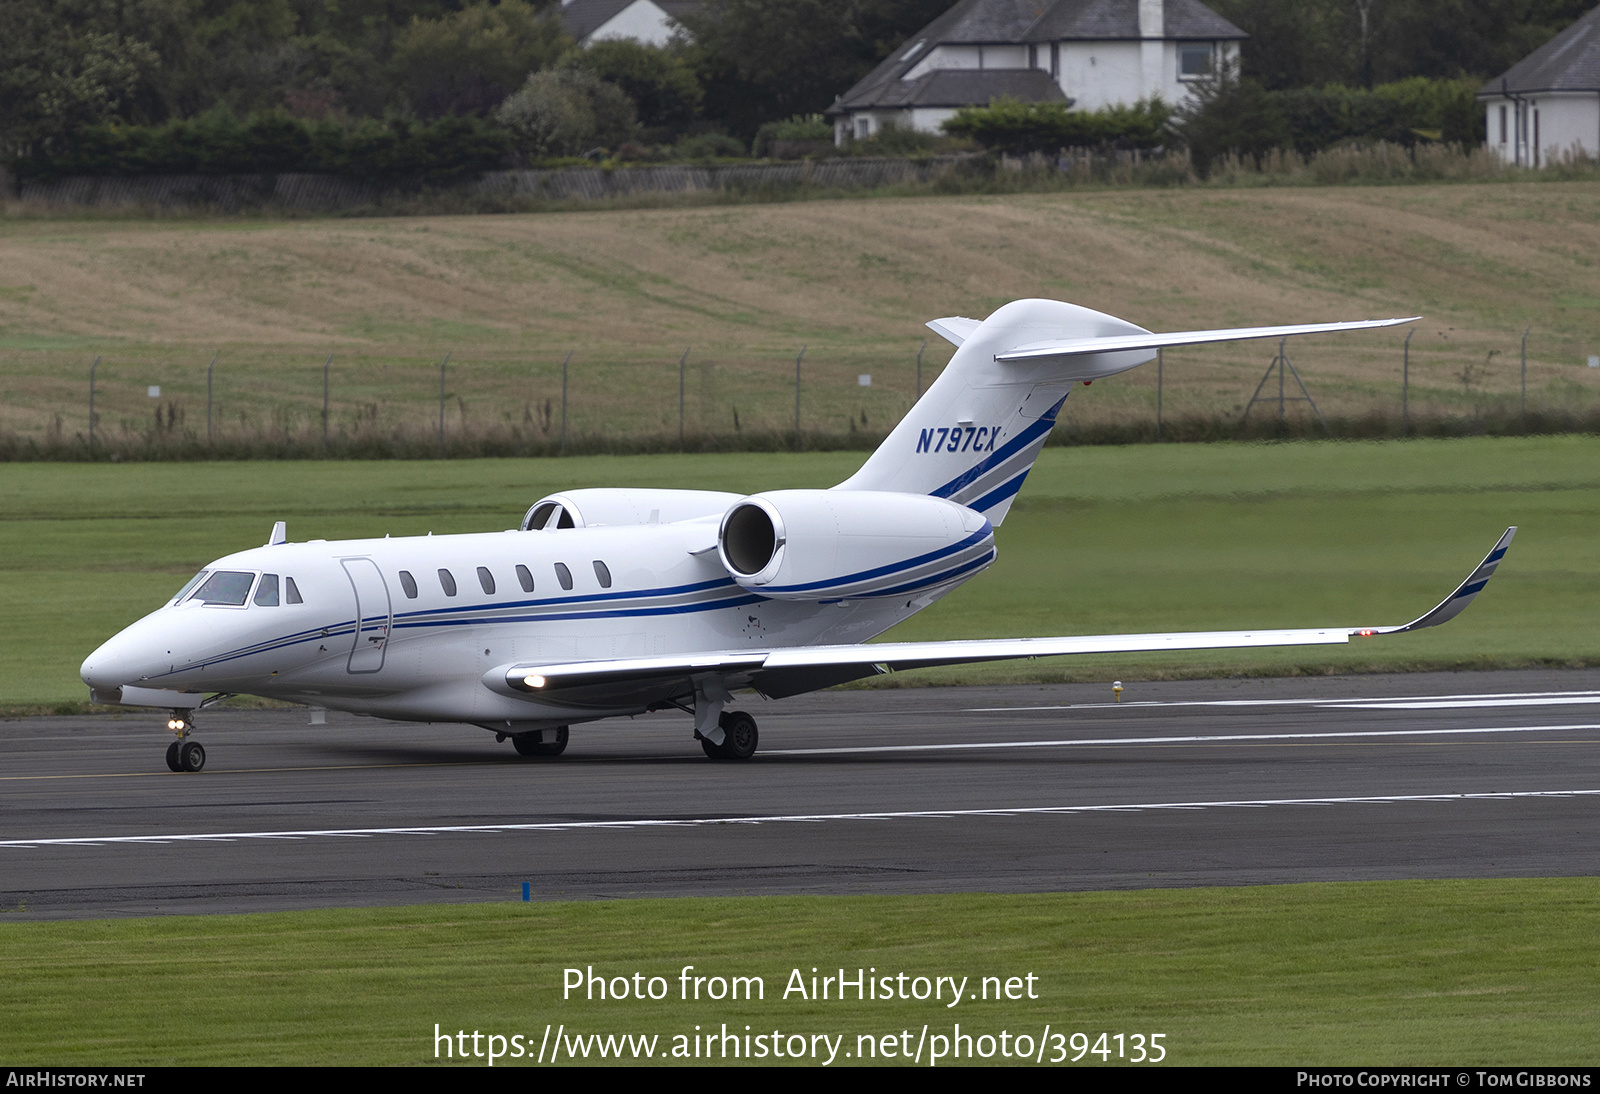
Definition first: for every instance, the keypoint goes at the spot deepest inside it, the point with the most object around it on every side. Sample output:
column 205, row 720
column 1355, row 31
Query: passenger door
column 374, row 614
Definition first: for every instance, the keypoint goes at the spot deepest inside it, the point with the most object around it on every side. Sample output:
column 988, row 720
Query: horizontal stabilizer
column 1076, row 347
column 954, row 329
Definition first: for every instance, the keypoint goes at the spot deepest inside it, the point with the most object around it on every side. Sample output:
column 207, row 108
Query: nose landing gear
column 184, row 754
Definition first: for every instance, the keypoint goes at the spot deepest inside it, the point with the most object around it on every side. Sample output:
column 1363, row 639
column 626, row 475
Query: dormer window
column 915, row 49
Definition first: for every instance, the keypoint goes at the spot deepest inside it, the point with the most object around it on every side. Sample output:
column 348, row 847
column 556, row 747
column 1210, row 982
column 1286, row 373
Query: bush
column 567, row 111
column 1228, row 116
column 1017, row 128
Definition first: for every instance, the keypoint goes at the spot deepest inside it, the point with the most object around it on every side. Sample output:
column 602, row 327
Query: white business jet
column 613, row 602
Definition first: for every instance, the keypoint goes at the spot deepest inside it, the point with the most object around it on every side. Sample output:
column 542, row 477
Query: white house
column 1548, row 104
column 650, row 22
column 1093, row 53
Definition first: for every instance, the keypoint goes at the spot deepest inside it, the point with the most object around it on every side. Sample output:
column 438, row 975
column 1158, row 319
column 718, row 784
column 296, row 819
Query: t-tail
column 973, row 437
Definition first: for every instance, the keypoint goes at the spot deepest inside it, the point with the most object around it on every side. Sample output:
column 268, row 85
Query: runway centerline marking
column 1487, row 699
column 1193, row 739
column 798, row 818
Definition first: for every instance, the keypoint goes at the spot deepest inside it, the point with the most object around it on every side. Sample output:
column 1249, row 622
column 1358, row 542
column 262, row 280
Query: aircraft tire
column 739, row 736
column 191, row 756
column 527, row 745
column 173, row 763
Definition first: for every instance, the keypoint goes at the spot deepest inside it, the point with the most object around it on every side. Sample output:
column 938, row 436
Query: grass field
column 1455, row 972
column 1106, row 539
column 744, row 287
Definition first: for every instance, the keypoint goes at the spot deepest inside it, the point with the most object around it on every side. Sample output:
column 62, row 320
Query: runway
column 1231, row 782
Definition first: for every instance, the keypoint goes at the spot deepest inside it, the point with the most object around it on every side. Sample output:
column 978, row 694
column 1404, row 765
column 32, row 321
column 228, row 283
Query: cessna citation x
column 613, row 602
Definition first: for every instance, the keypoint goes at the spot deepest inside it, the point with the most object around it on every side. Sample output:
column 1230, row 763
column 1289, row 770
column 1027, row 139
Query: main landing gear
column 541, row 742
column 184, row 754
column 739, row 737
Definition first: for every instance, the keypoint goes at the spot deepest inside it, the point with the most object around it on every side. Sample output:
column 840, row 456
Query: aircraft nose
column 127, row 658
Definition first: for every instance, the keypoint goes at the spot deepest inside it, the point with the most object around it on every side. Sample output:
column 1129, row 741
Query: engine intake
column 834, row 544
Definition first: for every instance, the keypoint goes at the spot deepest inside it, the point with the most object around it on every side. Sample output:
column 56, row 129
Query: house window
column 863, row 128
column 1194, row 61
column 1502, row 123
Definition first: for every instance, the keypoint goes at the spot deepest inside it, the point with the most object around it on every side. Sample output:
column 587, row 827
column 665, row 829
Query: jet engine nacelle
column 612, row 506
column 849, row 544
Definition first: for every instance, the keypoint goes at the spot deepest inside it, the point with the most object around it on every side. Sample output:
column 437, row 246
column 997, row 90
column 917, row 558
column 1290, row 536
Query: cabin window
column 228, row 588
column 602, row 574
column 409, row 584
column 524, row 578
column 291, row 591
column 1194, row 61
column 564, row 576
column 447, row 583
column 486, row 579
column 189, row 587
column 267, row 591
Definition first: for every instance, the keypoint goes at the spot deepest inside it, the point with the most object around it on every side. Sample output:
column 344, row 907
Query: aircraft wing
column 792, row 670
column 1074, row 347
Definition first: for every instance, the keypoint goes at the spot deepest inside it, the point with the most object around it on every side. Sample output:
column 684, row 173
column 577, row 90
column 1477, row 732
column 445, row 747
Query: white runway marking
column 1195, row 739
column 800, row 818
column 1417, row 702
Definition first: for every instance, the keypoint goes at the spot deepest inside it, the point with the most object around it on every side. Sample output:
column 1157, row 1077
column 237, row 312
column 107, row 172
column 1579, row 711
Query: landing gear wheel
column 173, row 763
column 528, row 744
column 739, row 737
column 191, row 757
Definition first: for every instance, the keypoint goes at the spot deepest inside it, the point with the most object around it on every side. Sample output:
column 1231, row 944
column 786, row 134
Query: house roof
column 1009, row 22
column 582, row 18
column 961, row 87
column 1568, row 62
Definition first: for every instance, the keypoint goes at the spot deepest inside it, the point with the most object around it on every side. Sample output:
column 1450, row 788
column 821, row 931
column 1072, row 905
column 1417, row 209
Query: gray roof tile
column 1568, row 62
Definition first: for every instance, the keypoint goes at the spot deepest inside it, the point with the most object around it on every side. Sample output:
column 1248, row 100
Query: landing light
column 534, row 681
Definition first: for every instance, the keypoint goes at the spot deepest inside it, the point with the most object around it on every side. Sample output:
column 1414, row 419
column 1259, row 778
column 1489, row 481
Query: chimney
column 1151, row 24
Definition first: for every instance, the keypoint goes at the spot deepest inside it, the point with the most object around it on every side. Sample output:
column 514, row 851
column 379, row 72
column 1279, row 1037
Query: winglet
column 1456, row 603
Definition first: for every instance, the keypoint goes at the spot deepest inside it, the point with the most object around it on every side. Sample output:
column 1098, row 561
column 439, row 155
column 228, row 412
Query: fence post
column 325, row 366
column 443, row 363
column 564, row 362
column 797, row 360
column 681, row 362
column 91, row 402
column 1524, row 409
column 1405, row 386
column 209, row 370
column 1160, row 362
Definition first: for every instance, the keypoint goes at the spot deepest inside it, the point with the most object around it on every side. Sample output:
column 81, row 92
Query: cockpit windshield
column 226, row 587
column 189, row 586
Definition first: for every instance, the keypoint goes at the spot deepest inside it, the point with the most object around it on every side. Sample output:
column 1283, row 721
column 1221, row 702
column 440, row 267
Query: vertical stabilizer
column 975, row 434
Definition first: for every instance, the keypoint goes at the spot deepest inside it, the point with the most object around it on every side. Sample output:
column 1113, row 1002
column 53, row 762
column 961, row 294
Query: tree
column 566, row 111
column 661, row 84
column 1227, row 115
column 469, row 61
column 759, row 60
column 61, row 69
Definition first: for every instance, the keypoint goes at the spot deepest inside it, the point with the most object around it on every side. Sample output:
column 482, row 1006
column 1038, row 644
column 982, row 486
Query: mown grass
column 1459, row 973
column 743, row 288
column 1102, row 540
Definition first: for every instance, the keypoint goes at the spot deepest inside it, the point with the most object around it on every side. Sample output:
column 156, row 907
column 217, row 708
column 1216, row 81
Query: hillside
column 745, row 287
